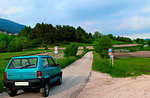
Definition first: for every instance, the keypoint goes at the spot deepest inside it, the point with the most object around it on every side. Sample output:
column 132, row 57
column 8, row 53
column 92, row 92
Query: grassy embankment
column 123, row 67
column 115, row 42
column 63, row 62
column 130, row 48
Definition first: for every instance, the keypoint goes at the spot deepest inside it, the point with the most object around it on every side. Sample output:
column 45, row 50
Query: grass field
column 115, row 42
column 123, row 67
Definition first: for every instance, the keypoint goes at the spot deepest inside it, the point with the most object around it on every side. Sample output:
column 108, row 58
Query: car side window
column 45, row 62
column 51, row 62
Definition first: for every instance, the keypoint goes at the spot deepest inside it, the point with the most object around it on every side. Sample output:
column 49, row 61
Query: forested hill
column 10, row 26
column 47, row 33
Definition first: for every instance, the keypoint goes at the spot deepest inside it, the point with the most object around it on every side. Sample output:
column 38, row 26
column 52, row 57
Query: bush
column 3, row 46
column 46, row 48
column 18, row 44
column 4, row 37
column 71, row 50
column 3, row 42
column 35, row 43
column 101, row 46
column 84, row 48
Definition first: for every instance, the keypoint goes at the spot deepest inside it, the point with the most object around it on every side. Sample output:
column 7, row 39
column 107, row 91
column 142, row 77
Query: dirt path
column 101, row 85
column 125, row 45
column 75, row 77
column 142, row 54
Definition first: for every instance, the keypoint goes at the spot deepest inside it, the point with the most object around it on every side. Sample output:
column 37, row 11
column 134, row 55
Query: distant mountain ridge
column 147, row 39
column 10, row 26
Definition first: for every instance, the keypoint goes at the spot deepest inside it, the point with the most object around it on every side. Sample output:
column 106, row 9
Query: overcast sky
column 120, row 17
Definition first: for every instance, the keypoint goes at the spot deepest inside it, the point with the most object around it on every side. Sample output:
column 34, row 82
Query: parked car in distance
column 31, row 72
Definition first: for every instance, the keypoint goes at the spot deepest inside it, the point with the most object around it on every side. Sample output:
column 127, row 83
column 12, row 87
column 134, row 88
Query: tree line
column 47, row 34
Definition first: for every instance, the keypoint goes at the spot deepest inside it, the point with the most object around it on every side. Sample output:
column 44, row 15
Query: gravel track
column 102, row 85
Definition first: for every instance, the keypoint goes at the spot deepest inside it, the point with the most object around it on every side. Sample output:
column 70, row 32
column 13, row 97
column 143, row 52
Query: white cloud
column 89, row 26
column 14, row 7
column 134, row 23
column 139, row 35
column 11, row 10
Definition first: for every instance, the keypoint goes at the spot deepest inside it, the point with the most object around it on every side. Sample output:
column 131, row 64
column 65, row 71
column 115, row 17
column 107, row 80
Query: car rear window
column 21, row 63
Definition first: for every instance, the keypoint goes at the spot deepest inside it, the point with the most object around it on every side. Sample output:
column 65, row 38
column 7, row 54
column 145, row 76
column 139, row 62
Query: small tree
column 71, row 50
column 97, row 35
column 102, row 45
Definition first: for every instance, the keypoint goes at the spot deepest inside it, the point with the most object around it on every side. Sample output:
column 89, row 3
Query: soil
column 145, row 54
column 125, row 45
column 102, row 85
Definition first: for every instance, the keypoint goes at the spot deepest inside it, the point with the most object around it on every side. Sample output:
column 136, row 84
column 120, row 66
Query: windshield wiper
column 24, row 66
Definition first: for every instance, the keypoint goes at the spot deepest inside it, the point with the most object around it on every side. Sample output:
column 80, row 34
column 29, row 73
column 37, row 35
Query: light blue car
column 31, row 72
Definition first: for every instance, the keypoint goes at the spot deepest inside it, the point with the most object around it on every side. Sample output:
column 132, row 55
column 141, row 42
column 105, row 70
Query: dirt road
column 75, row 78
column 102, row 85
column 91, row 47
column 142, row 54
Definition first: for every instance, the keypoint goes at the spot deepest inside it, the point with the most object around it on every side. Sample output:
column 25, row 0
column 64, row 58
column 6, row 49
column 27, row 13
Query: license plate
column 21, row 83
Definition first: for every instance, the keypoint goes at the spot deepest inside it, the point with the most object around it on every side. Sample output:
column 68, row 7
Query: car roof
column 33, row 56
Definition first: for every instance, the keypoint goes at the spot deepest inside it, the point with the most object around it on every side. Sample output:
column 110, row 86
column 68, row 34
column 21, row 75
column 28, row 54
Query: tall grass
column 115, row 42
column 64, row 62
column 123, row 67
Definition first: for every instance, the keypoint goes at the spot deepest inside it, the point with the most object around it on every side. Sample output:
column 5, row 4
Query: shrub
column 35, row 43
column 46, row 48
column 84, row 48
column 71, row 50
column 101, row 46
column 3, row 42
column 18, row 44
column 3, row 46
column 11, row 37
column 4, row 37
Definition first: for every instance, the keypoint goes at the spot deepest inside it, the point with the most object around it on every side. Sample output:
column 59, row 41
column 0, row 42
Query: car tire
column 59, row 81
column 11, row 92
column 45, row 91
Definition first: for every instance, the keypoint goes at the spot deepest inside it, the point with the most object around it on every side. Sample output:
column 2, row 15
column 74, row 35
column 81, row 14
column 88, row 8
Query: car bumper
column 37, row 83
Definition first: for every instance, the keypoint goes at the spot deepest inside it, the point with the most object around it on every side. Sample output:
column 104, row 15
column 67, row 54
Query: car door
column 53, row 69
column 46, row 67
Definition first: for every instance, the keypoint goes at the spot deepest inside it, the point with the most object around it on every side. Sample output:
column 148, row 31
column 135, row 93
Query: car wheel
column 45, row 91
column 59, row 81
column 11, row 92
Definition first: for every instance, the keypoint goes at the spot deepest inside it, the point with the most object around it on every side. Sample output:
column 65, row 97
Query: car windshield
column 21, row 63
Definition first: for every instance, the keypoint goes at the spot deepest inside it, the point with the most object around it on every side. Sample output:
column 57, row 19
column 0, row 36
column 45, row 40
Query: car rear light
column 5, row 76
column 39, row 75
